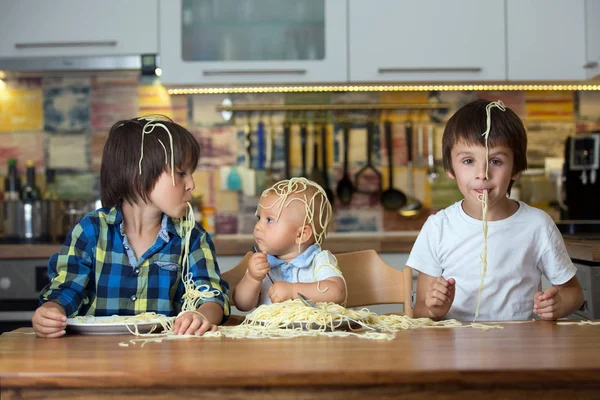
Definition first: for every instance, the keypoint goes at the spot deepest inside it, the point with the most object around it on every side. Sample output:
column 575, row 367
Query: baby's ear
column 304, row 234
column 450, row 174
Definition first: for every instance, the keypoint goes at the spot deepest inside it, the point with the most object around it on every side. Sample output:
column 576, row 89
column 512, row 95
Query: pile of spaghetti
column 291, row 319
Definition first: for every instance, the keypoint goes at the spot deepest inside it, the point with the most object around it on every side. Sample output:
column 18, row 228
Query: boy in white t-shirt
column 523, row 242
column 292, row 220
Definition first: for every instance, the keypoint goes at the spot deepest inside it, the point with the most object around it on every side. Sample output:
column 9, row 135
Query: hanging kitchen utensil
column 260, row 174
column 369, row 166
column 303, row 134
column 392, row 199
column 420, row 161
column 412, row 206
column 432, row 174
column 270, row 134
column 325, row 185
column 345, row 187
column 286, row 149
column 315, row 174
column 252, row 180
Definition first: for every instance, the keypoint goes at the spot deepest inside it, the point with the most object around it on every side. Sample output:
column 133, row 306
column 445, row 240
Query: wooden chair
column 369, row 279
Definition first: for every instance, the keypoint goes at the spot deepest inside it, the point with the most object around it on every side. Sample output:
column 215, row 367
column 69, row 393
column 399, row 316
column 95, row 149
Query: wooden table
column 522, row 360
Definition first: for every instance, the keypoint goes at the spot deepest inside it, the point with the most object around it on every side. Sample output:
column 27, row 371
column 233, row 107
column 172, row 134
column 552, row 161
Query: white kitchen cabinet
column 33, row 28
column 546, row 39
column 205, row 42
column 427, row 40
column 592, row 38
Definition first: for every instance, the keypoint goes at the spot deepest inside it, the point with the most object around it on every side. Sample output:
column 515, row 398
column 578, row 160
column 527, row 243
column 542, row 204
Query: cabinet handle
column 430, row 69
column 591, row 64
column 41, row 45
column 209, row 72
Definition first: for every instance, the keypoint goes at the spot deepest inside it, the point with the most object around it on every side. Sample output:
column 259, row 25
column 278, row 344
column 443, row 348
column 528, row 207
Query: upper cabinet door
column 253, row 41
column 33, row 28
column 427, row 40
column 546, row 39
column 592, row 38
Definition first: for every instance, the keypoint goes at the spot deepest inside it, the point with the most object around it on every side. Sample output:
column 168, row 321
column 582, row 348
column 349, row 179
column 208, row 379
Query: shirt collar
column 302, row 260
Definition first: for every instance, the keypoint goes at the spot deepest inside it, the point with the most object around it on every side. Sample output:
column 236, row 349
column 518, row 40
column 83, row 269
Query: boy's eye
column 270, row 220
column 495, row 162
column 468, row 161
column 181, row 173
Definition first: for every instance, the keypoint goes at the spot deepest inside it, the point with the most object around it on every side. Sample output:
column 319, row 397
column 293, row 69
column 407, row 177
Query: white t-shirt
column 520, row 249
column 301, row 269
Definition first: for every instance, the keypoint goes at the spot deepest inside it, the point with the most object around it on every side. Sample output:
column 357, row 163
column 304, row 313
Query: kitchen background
column 61, row 123
column 64, row 80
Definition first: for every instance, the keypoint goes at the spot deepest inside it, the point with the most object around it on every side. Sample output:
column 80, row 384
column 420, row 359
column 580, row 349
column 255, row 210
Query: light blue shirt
column 312, row 265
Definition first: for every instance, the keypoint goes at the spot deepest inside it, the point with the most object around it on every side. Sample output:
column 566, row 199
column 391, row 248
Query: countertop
column 238, row 245
column 586, row 248
column 520, row 361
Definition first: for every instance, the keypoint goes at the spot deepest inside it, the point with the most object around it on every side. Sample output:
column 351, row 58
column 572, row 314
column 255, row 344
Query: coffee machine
column 581, row 178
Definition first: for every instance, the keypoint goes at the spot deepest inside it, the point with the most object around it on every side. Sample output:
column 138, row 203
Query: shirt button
column 136, row 271
column 126, row 247
column 133, row 298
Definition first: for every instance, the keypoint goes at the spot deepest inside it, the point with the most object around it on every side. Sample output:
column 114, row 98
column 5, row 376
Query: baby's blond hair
column 318, row 209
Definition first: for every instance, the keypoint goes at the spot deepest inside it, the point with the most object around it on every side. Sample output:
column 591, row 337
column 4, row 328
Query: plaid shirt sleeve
column 69, row 270
column 204, row 269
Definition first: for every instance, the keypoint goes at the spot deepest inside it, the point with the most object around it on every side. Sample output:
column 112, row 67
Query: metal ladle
column 413, row 206
column 392, row 199
column 432, row 174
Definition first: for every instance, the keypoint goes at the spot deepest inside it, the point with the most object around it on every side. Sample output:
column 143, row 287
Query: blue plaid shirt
column 97, row 273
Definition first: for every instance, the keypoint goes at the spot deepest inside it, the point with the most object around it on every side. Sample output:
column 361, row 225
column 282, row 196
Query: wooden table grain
column 520, row 361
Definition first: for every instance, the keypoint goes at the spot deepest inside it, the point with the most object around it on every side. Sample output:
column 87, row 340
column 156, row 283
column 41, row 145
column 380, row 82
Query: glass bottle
column 30, row 191
column 12, row 182
column 50, row 193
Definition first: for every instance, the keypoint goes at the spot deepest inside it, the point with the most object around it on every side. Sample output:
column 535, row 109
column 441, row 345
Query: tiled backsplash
column 62, row 123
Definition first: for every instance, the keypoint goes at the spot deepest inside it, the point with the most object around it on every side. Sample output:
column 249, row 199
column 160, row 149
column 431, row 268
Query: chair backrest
column 371, row 281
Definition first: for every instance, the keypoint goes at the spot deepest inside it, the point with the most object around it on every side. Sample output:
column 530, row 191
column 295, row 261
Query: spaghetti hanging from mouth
column 483, row 198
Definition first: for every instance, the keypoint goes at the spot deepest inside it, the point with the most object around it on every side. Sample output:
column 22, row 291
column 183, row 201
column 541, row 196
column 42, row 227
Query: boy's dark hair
column 120, row 178
column 468, row 124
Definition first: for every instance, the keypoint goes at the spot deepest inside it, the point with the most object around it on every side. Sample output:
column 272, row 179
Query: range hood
column 78, row 64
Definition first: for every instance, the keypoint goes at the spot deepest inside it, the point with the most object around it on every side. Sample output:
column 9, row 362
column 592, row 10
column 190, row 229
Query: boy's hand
column 439, row 297
column 193, row 323
column 49, row 320
column 547, row 304
column 258, row 266
column 281, row 291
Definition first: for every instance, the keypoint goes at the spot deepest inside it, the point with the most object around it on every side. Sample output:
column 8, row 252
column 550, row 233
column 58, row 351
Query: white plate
column 109, row 328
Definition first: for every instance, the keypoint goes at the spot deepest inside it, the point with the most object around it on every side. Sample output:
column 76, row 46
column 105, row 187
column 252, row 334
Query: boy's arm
column 571, row 297
column 70, row 269
column 434, row 296
column 205, row 271
column 424, row 281
column 559, row 301
column 212, row 311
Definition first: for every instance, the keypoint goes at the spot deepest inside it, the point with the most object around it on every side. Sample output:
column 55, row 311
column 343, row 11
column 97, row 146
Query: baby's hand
column 49, row 320
column 440, row 296
column 192, row 323
column 281, row 291
column 258, row 266
column 547, row 304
